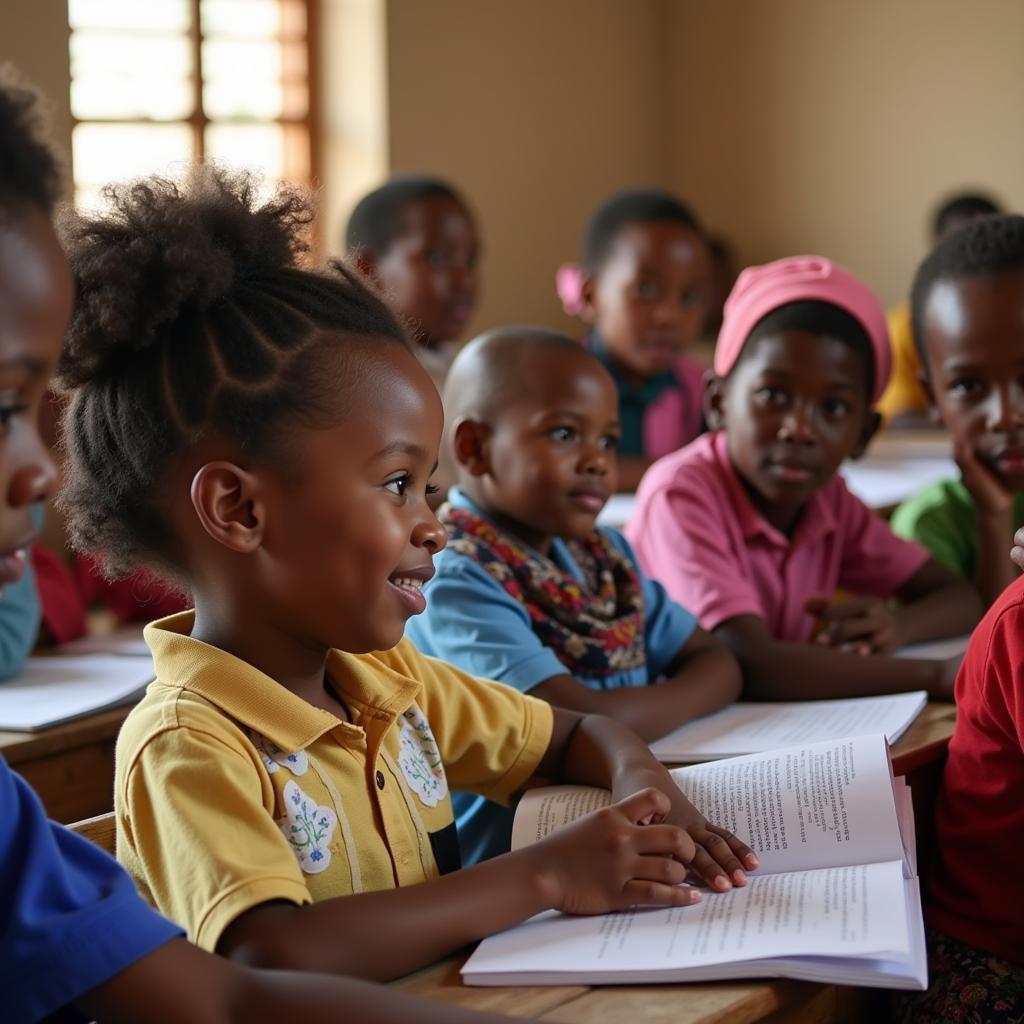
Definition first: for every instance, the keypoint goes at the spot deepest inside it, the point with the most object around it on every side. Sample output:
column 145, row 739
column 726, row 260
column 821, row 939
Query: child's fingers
column 819, row 602
column 644, row 806
column 722, row 854
column 668, row 841
column 709, row 871
column 659, row 869
column 745, row 854
column 657, row 894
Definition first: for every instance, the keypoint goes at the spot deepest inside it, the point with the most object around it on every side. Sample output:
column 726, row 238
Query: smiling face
column 349, row 538
column 974, row 345
column 647, row 301
column 35, row 304
column 548, row 456
column 429, row 272
column 793, row 408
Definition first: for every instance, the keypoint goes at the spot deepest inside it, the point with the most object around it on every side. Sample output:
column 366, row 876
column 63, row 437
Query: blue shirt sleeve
column 20, row 613
column 667, row 625
column 70, row 917
column 473, row 623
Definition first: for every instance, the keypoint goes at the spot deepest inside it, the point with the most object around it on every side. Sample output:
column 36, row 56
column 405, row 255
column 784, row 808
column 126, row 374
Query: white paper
column 748, row 727
column 936, row 650
column 881, row 481
column 127, row 642
column 839, row 912
column 52, row 690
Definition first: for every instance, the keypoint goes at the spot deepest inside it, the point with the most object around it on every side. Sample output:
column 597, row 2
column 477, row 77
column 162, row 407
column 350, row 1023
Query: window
column 156, row 84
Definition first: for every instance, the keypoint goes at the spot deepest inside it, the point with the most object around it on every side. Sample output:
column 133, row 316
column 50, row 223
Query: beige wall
column 34, row 37
column 536, row 109
column 807, row 126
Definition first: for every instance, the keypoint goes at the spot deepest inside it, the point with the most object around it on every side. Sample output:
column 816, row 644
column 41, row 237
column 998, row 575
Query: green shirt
column 943, row 518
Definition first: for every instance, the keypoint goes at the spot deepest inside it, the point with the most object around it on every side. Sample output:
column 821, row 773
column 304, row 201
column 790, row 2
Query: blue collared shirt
column 474, row 623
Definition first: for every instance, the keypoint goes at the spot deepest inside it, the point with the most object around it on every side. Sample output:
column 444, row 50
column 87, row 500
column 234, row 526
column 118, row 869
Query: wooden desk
column 919, row 755
column 70, row 766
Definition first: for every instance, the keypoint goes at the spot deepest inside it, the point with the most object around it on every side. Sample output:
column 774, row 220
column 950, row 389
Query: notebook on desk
column 49, row 691
column 749, row 727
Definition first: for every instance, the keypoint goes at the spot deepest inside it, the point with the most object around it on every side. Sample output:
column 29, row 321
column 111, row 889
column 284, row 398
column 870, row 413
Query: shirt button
column 380, row 779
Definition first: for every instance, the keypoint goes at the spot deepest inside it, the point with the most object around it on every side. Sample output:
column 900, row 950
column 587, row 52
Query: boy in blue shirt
column 73, row 931
column 529, row 591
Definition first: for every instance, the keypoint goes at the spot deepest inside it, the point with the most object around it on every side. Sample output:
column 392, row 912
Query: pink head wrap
column 759, row 290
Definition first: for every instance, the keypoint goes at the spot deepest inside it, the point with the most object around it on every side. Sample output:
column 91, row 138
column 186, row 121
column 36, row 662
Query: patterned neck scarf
column 594, row 630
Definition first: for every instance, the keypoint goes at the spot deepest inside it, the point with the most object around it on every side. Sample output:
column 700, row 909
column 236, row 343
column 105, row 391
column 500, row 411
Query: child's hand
column 719, row 858
column 608, row 860
column 989, row 493
column 1017, row 551
column 859, row 625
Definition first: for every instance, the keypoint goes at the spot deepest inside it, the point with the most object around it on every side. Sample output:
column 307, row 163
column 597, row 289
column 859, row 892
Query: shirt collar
column 368, row 687
column 816, row 521
column 646, row 392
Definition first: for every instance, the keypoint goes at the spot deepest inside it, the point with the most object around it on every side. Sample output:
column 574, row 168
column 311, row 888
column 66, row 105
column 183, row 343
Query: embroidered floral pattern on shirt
column 420, row 759
column 273, row 757
column 308, row 827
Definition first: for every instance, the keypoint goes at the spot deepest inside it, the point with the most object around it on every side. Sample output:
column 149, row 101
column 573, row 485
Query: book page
column 814, row 806
column 837, row 912
column 543, row 810
column 750, row 727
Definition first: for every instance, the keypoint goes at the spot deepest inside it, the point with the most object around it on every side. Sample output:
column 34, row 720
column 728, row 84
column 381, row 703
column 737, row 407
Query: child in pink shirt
column 753, row 530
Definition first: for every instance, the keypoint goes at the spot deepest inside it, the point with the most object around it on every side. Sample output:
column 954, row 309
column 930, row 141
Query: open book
column 748, row 727
column 836, row 897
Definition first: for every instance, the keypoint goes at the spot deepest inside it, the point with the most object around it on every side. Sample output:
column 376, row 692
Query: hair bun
column 167, row 250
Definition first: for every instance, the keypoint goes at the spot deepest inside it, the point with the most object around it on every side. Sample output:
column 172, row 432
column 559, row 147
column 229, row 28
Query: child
column 527, row 592
column 968, row 302
column 976, row 913
column 417, row 239
column 904, row 401
column 266, row 433
column 72, row 928
column 641, row 291
column 752, row 528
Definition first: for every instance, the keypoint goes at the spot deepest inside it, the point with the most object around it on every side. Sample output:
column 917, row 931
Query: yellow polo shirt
column 231, row 791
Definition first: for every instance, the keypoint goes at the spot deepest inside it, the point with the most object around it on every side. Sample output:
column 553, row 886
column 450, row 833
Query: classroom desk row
column 919, row 755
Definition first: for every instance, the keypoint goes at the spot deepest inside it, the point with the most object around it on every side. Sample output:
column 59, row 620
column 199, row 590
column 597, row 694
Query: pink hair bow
column 569, row 285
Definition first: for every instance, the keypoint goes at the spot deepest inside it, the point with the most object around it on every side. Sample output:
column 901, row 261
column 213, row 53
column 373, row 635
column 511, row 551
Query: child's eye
column 432, row 489
column 7, row 413
column 564, row 434
column 437, row 258
column 835, row 408
column 609, row 442
column 689, row 298
column 966, row 387
column 399, row 485
column 647, row 290
column 769, row 395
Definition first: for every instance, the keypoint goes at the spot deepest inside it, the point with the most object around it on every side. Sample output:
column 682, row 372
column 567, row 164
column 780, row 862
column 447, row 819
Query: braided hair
column 194, row 319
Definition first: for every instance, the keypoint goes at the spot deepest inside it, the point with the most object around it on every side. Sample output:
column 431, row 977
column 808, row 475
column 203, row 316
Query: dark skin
column 542, row 465
column 974, row 353
column 35, row 304
column 647, row 302
column 429, row 272
column 288, row 562
column 793, row 408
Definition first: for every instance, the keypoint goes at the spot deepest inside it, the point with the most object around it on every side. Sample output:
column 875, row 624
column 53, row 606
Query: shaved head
column 498, row 366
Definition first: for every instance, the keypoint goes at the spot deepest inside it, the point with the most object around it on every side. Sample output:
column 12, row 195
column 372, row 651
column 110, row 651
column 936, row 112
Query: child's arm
column 608, row 860
column 934, row 603
column 630, row 853
column 181, row 982
column 776, row 670
column 703, row 678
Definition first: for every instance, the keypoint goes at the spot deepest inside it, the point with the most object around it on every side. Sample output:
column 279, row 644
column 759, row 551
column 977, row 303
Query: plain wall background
column 791, row 125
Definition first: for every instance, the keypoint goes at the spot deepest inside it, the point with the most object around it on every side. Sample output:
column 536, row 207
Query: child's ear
column 588, row 290
column 470, row 443
column 365, row 264
column 714, row 401
column 229, row 504
column 872, row 424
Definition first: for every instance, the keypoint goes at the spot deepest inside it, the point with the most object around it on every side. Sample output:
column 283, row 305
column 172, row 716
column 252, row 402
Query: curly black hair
column 635, row 206
column 30, row 171
column 193, row 318
column 962, row 207
column 376, row 220
column 981, row 248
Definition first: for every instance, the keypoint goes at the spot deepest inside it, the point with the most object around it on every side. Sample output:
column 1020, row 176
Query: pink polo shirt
column 695, row 530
